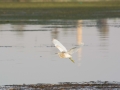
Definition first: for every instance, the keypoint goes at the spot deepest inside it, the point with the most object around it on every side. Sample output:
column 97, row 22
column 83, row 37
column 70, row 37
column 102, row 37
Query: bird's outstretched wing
column 59, row 46
column 75, row 49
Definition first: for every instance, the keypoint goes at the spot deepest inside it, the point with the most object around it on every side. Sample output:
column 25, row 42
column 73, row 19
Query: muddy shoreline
column 66, row 85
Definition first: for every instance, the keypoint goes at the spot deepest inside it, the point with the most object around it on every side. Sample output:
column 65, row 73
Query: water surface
column 28, row 54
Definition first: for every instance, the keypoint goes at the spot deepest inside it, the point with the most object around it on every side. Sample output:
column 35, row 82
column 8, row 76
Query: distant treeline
column 52, row 0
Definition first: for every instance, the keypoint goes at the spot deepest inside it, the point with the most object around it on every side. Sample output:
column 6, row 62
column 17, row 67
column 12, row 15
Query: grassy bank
column 46, row 5
column 68, row 10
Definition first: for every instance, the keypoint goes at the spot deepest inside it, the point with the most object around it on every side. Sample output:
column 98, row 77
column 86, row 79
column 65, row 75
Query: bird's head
column 63, row 52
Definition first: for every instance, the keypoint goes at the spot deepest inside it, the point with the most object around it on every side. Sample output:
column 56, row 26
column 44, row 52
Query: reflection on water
column 104, row 36
column 55, row 33
column 28, row 54
column 103, row 27
column 79, row 40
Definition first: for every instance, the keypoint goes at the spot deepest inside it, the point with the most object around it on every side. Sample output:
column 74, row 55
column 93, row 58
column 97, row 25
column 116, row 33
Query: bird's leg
column 72, row 60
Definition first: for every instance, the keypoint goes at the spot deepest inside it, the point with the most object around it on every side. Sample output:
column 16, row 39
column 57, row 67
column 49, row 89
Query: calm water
column 27, row 54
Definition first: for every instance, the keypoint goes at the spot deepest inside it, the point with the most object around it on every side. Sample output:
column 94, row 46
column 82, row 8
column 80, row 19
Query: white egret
column 63, row 51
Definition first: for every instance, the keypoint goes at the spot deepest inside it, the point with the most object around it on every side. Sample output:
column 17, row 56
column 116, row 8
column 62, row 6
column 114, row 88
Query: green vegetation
column 34, row 5
column 59, row 10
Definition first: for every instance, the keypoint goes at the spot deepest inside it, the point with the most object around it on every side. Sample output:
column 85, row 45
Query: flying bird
column 63, row 51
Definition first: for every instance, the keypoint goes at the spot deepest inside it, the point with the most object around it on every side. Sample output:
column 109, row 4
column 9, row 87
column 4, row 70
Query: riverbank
column 66, row 85
column 46, row 5
column 66, row 10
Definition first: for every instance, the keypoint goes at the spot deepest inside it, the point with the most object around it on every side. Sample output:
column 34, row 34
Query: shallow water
column 28, row 54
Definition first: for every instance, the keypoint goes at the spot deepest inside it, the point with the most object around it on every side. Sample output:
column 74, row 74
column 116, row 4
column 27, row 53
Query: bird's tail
column 72, row 60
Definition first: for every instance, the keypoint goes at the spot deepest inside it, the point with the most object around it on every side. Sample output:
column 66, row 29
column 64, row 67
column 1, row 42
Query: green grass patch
column 41, row 5
column 59, row 10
